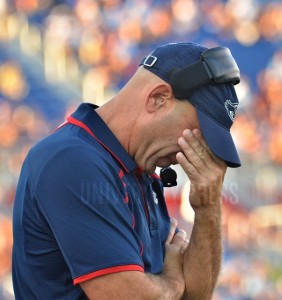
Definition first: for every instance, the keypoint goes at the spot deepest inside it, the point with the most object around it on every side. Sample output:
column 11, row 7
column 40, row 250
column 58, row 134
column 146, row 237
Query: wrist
column 175, row 285
column 208, row 217
column 169, row 287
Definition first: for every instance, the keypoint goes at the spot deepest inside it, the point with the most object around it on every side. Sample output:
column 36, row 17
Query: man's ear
column 159, row 96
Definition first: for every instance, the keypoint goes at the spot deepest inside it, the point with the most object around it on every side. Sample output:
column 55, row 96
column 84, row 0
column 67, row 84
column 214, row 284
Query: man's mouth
column 164, row 163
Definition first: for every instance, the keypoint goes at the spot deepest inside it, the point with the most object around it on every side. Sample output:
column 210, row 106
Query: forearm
column 202, row 259
column 168, row 285
column 163, row 288
column 132, row 285
column 171, row 280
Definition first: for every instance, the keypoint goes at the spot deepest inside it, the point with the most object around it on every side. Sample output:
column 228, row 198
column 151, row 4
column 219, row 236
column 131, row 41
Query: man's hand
column 176, row 244
column 176, row 239
column 202, row 259
column 205, row 170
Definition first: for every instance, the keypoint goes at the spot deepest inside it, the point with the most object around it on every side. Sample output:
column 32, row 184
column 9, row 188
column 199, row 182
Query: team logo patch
column 156, row 200
column 231, row 109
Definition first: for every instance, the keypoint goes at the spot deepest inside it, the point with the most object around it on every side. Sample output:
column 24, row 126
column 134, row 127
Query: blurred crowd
column 88, row 49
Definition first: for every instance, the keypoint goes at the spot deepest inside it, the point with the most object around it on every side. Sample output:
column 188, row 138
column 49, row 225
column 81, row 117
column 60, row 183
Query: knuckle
column 191, row 171
column 173, row 222
column 198, row 161
column 180, row 237
column 186, row 166
column 202, row 152
column 189, row 151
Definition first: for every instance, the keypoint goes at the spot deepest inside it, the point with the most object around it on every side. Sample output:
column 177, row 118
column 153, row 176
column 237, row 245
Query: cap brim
column 219, row 139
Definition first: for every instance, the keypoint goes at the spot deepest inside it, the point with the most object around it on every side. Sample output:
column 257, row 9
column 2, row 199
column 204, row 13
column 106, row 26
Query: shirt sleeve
column 84, row 202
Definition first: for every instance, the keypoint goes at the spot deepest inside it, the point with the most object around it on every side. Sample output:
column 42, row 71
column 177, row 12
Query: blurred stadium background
column 55, row 54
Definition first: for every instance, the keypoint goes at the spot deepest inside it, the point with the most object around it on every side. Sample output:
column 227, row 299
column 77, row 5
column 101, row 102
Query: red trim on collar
column 60, row 126
column 76, row 122
column 138, row 171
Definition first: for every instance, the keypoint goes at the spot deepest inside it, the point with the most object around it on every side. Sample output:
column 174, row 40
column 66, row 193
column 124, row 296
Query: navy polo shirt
column 83, row 209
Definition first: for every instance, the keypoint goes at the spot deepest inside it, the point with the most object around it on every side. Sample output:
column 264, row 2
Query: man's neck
column 120, row 119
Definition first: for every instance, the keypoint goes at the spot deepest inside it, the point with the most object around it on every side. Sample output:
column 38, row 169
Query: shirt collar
column 86, row 114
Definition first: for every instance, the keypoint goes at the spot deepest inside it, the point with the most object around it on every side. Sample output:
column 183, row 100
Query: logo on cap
column 230, row 108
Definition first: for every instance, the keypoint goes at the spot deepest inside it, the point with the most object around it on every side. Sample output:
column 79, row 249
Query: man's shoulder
column 61, row 145
column 59, row 154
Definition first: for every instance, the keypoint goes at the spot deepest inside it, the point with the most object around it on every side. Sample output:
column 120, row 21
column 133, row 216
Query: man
column 90, row 218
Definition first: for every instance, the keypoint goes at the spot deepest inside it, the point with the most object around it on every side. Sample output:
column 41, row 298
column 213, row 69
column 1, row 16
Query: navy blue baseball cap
column 205, row 77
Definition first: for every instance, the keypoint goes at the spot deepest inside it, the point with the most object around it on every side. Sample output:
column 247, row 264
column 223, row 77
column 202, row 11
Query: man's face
column 164, row 134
